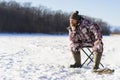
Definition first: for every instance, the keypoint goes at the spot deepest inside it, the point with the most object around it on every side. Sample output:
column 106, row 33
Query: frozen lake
column 42, row 57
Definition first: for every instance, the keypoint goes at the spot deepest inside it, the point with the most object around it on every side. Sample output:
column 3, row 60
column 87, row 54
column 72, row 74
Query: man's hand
column 97, row 42
column 73, row 28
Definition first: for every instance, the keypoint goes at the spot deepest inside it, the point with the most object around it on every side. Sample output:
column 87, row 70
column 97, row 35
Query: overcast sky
column 107, row 10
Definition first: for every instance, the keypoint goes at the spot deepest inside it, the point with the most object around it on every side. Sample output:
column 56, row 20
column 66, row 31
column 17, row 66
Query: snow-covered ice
column 47, row 57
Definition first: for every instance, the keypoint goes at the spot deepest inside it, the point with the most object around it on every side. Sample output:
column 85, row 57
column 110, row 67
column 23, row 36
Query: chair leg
column 87, row 60
column 89, row 57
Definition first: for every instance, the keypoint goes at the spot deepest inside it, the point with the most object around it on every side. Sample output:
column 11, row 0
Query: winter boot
column 77, row 58
column 97, row 58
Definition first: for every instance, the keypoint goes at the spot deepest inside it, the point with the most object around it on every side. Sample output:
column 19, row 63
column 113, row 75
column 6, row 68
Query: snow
column 47, row 57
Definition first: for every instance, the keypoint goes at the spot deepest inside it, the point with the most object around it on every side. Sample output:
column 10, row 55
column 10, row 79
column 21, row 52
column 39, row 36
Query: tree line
column 24, row 18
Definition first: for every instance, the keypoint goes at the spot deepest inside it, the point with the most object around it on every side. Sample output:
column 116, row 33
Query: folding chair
column 90, row 56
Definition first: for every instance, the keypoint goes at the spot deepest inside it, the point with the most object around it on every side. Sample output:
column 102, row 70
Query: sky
column 107, row 10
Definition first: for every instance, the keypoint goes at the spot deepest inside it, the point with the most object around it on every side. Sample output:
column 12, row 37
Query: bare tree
column 18, row 18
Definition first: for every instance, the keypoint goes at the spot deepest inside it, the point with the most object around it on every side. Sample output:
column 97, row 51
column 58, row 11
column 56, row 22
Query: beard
column 73, row 25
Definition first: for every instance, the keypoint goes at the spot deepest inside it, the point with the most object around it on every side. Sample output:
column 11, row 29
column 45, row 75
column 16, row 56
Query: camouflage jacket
column 86, row 34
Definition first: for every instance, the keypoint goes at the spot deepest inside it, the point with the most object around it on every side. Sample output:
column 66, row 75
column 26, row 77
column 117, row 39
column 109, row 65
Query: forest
column 24, row 18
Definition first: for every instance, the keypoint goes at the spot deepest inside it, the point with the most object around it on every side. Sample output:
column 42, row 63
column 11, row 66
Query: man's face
column 73, row 22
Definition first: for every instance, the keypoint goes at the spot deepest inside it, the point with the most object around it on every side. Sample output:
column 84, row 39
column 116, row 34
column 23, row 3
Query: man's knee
column 98, row 48
column 75, row 50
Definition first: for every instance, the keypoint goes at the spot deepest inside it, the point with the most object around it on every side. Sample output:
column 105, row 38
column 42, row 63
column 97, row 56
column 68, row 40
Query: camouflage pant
column 97, row 47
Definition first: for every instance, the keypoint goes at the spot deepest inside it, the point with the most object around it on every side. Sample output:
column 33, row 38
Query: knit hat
column 75, row 15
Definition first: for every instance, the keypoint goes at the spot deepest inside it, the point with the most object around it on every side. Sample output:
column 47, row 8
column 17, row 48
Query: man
column 83, row 32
